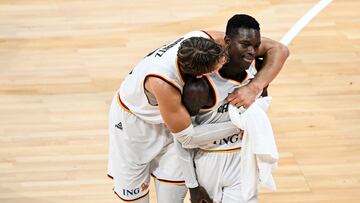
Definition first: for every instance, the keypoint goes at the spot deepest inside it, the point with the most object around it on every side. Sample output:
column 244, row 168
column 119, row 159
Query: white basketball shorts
column 219, row 174
column 137, row 149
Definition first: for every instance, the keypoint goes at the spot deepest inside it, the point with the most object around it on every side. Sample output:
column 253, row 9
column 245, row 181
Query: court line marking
column 302, row 22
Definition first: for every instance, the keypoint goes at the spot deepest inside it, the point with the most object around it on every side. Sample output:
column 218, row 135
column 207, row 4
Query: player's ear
column 227, row 40
column 199, row 76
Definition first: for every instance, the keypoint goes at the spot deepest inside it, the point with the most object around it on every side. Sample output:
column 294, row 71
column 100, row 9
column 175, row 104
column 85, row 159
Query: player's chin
column 243, row 64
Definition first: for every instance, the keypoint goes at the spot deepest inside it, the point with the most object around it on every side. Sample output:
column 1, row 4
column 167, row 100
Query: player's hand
column 243, row 96
column 199, row 195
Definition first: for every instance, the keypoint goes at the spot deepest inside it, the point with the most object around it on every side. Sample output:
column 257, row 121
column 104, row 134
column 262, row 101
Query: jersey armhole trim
column 162, row 78
column 213, row 92
column 207, row 34
column 121, row 103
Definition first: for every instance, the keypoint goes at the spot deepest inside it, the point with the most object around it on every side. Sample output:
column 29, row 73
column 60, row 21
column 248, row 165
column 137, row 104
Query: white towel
column 259, row 153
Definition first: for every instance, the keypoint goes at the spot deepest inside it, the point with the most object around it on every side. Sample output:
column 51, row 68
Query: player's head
column 198, row 55
column 196, row 95
column 242, row 39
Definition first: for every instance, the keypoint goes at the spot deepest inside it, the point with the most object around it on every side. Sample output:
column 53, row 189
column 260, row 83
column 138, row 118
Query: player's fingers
column 239, row 105
column 236, row 102
column 233, row 102
column 242, row 109
column 230, row 97
column 247, row 103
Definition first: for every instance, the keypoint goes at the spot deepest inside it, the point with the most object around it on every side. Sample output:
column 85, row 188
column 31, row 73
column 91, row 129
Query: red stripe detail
column 121, row 103
column 207, row 34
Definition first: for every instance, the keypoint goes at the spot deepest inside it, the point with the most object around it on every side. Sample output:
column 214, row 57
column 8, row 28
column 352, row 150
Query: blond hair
column 198, row 55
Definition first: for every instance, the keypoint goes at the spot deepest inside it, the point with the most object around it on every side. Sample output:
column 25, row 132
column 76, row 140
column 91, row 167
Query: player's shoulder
column 198, row 33
column 156, row 85
column 217, row 36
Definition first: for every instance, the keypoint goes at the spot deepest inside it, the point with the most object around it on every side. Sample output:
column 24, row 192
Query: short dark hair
column 196, row 95
column 198, row 55
column 241, row 21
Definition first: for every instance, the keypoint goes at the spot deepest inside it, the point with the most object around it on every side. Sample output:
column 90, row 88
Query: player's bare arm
column 168, row 97
column 274, row 54
column 178, row 120
column 218, row 36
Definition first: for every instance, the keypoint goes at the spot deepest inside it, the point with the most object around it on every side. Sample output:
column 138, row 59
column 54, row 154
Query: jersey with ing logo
column 161, row 63
column 219, row 112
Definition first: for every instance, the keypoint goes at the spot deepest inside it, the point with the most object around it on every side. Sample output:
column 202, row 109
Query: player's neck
column 231, row 71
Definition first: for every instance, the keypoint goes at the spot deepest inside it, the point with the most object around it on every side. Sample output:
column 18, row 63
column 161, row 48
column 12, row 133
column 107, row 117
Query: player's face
column 243, row 46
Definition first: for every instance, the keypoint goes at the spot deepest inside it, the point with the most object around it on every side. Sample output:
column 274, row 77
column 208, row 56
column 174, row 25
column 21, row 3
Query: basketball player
column 218, row 161
column 140, row 139
column 147, row 109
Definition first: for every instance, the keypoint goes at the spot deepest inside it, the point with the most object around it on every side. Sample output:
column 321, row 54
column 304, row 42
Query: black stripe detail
column 168, row 181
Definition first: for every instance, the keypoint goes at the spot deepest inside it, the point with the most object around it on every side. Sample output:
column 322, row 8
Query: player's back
column 161, row 63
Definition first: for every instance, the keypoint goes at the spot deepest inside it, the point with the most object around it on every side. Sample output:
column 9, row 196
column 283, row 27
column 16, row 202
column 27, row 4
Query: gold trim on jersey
column 164, row 79
column 221, row 150
column 247, row 76
column 213, row 90
column 121, row 104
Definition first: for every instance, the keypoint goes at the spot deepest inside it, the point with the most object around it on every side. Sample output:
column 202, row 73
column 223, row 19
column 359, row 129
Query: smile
column 248, row 59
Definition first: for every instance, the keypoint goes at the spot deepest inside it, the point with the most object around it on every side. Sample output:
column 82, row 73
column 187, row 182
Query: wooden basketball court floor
column 62, row 61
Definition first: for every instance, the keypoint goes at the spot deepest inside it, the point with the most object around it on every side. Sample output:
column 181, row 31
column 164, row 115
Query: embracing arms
column 274, row 54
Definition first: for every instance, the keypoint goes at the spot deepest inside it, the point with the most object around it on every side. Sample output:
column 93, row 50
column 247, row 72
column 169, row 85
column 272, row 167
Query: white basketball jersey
column 221, row 87
column 161, row 63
